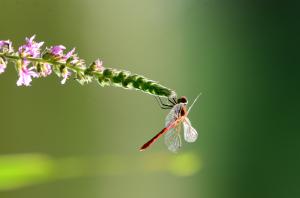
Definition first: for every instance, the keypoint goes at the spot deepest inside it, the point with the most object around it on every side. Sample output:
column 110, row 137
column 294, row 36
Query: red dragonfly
column 176, row 116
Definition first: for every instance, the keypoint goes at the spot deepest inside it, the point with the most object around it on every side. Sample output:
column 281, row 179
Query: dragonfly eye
column 183, row 100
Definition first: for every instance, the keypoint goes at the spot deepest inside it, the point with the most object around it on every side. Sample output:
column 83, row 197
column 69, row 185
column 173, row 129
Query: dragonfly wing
column 190, row 134
column 173, row 114
column 173, row 140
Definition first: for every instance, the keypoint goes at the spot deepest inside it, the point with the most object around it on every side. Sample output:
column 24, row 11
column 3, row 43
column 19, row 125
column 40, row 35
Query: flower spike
column 33, row 62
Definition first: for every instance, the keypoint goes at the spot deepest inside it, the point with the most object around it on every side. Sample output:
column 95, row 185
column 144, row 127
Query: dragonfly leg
column 173, row 102
column 162, row 105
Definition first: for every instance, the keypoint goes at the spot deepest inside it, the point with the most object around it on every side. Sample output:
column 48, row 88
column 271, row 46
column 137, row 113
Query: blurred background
column 82, row 141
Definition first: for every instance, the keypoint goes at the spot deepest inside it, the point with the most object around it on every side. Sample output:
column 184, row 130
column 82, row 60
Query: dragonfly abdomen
column 150, row 142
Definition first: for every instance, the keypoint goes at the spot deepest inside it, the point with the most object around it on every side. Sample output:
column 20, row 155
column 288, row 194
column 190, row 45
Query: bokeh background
column 81, row 141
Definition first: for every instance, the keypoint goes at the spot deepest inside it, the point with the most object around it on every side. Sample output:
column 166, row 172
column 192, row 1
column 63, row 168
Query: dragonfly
column 174, row 122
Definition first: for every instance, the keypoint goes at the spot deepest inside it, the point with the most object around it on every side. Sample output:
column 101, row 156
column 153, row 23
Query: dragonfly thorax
column 183, row 111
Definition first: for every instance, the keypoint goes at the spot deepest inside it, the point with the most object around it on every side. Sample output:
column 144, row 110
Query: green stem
column 40, row 60
column 109, row 76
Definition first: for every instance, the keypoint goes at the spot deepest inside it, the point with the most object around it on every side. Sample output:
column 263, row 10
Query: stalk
column 61, row 65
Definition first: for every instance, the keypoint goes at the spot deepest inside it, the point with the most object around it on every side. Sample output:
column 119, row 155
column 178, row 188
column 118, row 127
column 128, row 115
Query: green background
column 81, row 141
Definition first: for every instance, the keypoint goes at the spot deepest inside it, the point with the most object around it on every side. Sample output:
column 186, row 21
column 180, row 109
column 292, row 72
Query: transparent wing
column 173, row 114
column 173, row 140
column 190, row 134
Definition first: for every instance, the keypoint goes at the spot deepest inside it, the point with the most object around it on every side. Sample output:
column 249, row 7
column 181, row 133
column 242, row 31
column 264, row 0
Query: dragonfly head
column 182, row 99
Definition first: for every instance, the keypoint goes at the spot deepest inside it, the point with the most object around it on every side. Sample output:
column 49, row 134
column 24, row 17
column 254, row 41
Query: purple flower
column 99, row 65
column 45, row 70
column 6, row 46
column 31, row 48
column 4, row 43
column 2, row 65
column 65, row 74
column 2, row 68
column 57, row 50
column 76, row 61
column 25, row 74
column 69, row 54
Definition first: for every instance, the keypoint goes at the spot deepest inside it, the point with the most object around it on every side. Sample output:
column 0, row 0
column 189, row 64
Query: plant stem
column 108, row 76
